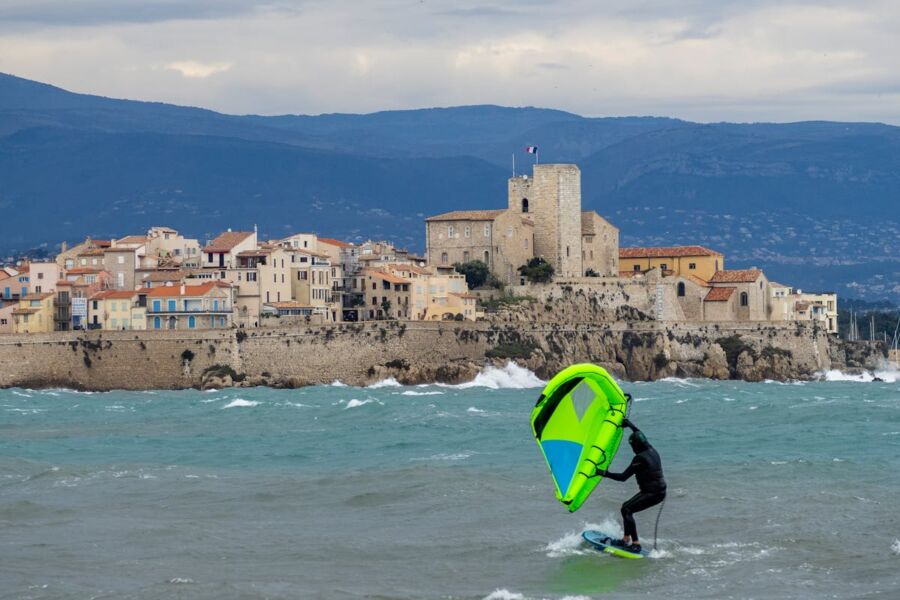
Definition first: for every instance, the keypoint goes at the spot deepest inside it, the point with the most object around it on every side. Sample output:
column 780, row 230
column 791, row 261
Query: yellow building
column 676, row 260
column 117, row 310
column 34, row 313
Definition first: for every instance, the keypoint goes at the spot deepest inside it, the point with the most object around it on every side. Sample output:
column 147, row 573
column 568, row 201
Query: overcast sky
column 699, row 60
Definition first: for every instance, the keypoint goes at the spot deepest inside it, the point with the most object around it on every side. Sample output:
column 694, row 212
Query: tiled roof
column 164, row 276
column 736, row 276
column 777, row 285
column 468, row 215
column 259, row 252
column 719, row 294
column 696, row 280
column 334, row 242
column 410, row 268
column 228, row 240
column 133, row 239
column 389, row 277
column 629, row 273
column 82, row 271
column 25, row 311
column 114, row 295
column 119, row 249
column 667, row 252
column 92, row 252
column 189, row 290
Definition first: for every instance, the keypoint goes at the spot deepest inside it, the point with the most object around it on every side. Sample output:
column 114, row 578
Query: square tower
column 552, row 197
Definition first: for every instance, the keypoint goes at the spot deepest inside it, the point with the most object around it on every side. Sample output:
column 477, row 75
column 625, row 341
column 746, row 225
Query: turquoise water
column 776, row 491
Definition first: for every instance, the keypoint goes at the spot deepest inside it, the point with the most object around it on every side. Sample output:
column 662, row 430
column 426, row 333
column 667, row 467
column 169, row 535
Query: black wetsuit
column 646, row 466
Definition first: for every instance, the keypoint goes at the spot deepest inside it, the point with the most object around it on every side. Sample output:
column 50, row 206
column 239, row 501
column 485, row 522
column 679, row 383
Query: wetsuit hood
column 638, row 442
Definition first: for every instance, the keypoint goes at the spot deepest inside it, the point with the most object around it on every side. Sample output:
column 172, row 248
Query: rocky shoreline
column 414, row 353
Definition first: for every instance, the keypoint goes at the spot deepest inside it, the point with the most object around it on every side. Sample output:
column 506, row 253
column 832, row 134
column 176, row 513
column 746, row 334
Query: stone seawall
column 417, row 352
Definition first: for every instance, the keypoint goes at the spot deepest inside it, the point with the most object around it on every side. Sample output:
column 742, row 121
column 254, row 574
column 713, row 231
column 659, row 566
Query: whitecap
column 474, row 410
column 354, row 402
column 241, row 402
column 337, row 383
column 510, row 376
column 895, row 547
column 680, row 381
column 504, row 594
column 20, row 394
column 179, row 580
column 389, row 382
column 445, row 456
column 863, row 377
column 414, row 393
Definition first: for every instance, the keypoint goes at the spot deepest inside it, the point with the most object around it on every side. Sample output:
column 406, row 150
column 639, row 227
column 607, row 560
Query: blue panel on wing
column 563, row 457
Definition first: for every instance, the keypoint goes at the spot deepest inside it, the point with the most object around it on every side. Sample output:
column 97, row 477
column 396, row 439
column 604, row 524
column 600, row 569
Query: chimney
column 182, row 289
column 63, row 247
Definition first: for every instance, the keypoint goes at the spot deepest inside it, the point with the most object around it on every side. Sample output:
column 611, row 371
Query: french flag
column 531, row 149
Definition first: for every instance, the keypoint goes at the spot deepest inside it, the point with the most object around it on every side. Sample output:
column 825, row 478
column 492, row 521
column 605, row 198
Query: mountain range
column 813, row 203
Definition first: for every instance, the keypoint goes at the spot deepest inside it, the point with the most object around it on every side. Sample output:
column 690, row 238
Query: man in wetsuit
column 647, row 468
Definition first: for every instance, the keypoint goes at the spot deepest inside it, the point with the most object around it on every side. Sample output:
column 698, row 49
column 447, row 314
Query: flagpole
column 514, row 163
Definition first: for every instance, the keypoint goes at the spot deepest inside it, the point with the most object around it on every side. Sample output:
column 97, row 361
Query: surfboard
column 604, row 543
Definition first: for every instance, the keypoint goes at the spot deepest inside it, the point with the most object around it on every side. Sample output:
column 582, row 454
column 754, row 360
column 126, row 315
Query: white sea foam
column 474, row 410
column 504, row 594
column 510, row 376
column 178, row 580
column 863, row 377
column 389, row 382
column 679, row 381
column 337, row 383
column 572, row 544
column 21, row 394
column 445, row 456
column 895, row 547
column 415, row 393
column 353, row 403
column 241, row 402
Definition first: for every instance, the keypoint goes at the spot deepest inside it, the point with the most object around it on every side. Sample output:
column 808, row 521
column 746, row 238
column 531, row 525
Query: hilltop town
column 541, row 240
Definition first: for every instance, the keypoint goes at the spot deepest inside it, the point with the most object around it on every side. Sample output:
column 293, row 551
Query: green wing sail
column 577, row 423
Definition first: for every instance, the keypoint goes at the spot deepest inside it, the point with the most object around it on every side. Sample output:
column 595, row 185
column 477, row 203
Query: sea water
column 438, row 492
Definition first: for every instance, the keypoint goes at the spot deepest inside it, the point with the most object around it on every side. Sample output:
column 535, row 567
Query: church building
column 543, row 218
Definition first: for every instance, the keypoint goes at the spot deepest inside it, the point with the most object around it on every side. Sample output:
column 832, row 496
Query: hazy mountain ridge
column 815, row 202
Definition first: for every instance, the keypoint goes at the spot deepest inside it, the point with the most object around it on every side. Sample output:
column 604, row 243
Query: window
column 465, row 256
column 444, row 258
column 156, row 323
column 114, row 323
column 487, row 231
column 744, row 301
column 37, row 289
column 251, row 276
column 468, row 231
column 40, row 275
column 567, row 251
column 172, row 305
column 156, row 308
column 192, row 322
column 120, row 260
column 524, row 205
column 525, row 241
column 487, row 257
column 681, row 288
column 663, row 267
column 509, row 232
column 692, row 266
column 637, row 267
column 449, row 231
column 374, row 300
column 120, row 280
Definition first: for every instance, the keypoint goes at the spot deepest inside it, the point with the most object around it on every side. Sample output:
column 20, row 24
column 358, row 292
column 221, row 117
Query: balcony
column 222, row 310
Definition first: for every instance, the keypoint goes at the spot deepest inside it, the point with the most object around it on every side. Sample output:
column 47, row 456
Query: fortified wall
column 420, row 352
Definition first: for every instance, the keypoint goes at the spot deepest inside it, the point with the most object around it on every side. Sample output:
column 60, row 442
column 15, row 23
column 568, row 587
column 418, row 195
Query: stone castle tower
column 552, row 196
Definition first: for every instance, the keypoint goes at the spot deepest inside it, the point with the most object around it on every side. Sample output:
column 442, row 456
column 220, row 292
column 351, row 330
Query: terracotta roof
column 25, row 311
column 189, row 290
column 102, row 243
column 410, row 268
column 630, row 273
column 334, row 242
column 92, row 252
column 228, row 240
column 736, row 276
column 34, row 296
column 802, row 305
column 587, row 222
column 667, row 252
column 468, row 215
column 696, row 280
column 389, row 277
column 119, row 249
column 62, row 282
column 719, row 294
column 133, row 239
column 114, row 295
column 164, row 276
column 259, row 252
column 777, row 285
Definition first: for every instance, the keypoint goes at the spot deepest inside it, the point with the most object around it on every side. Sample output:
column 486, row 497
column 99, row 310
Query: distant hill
column 813, row 203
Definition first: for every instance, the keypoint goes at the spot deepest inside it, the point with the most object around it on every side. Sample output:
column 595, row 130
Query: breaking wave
column 241, row 402
column 511, row 376
column 862, row 377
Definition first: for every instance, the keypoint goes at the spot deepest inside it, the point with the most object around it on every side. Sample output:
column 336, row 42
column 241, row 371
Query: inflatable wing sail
column 578, row 426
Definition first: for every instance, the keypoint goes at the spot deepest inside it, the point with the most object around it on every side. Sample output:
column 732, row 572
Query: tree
column 476, row 273
column 537, row 270
column 591, row 273
column 386, row 307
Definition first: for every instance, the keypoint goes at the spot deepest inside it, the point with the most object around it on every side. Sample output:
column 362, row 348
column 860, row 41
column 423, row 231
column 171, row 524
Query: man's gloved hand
column 627, row 423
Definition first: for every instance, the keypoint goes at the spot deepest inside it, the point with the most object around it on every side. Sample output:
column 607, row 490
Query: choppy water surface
column 776, row 491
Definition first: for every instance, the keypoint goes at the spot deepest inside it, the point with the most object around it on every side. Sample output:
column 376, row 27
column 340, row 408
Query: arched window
column 444, row 258
column 524, row 205
column 681, row 288
column 487, row 257
column 744, row 301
